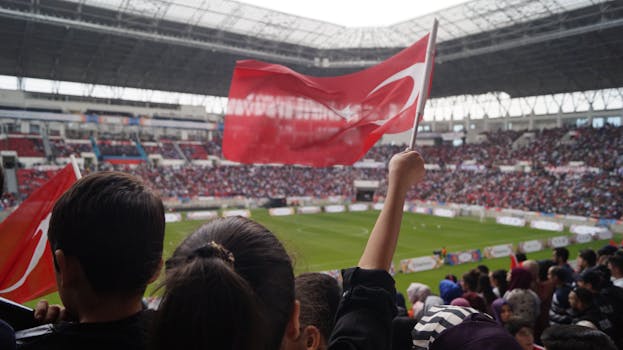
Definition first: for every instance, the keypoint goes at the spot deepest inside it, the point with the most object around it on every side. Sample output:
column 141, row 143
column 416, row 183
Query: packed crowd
column 122, row 150
column 588, row 193
column 63, row 149
column 536, row 295
column 230, row 285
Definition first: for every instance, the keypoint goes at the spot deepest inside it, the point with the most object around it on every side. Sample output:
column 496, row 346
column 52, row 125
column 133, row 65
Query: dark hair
column 470, row 279
column 589, row 256
column 515, row 324
column 616, row 261
column 521, row 257
column 562, row 253
column 520, row 279
column 500, row 277
column 584, row 296
column 452, row 278
column 544, row 266
column 243, row 284
column 114, row 225
column 484, row 287
column 597, row 278
column 484, row 269
column 319, row 295
column 572, row 337
column 562, row 274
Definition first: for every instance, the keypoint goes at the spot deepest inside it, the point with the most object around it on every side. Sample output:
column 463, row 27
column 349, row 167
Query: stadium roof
column 521, row 47
column 236, row 17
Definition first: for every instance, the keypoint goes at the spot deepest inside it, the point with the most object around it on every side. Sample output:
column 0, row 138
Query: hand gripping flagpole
column 428, row 66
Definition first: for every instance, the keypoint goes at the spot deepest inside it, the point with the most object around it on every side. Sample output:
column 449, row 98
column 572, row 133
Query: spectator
column 499, row 282
column 560, row 257
column 573, row 337
column 449, row 291
column 502, row 311
column 454, row 327
column 523, row 300
column 615, row 265
column 523, row 332
column 586, row 259
column 102, row 214
column 559, row 312
column 417, row 293
column 319, row 296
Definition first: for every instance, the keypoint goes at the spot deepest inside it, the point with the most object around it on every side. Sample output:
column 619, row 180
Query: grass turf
column 327, row 241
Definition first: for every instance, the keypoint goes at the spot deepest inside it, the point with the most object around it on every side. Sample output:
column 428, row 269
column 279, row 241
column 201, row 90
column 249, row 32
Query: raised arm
column 405, row 170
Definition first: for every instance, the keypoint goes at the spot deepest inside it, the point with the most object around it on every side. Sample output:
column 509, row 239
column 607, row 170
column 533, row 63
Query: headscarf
column 418, row 292
column 520, row 279
column 454, row 327
column 497, row 308
column 460, row 302
column 449, row 291
column 476, row 301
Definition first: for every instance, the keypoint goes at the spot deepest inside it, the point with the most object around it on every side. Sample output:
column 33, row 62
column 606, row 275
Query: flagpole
column 428, row 64
column 74, row 164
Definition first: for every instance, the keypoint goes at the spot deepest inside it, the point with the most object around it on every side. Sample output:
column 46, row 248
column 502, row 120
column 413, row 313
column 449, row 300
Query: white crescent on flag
column 415, row 72
column 42, row 231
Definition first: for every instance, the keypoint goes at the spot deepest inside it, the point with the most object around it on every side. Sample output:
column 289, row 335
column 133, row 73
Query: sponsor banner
column 531, row 246
column 581, row 238
column 546, row 225
column 406, row 207
column 334, row 209
column 604, row 235
column 237, row 212
column 446, row 213
column 560, row 241
column 422, row 263
column 201, row 215
column 422, row 210
column 586, row 230
column 498, row 251
column 467, row 256
column 511, row 221
column 309, row 210
column 358, row 207
column 378, row 206
column 172, row 217
column 284, row 211
column 576, row 218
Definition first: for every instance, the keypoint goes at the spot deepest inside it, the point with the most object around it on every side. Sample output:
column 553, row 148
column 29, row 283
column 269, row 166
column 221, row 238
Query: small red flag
column 26, row 268
column 612, row 243
column 276, row 115
column 514, row 262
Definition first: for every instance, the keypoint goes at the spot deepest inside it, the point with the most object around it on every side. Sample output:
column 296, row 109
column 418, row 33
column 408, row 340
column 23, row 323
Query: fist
column 406, row 169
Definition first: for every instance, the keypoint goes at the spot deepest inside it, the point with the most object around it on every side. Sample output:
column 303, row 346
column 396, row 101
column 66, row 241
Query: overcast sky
column 357, row 13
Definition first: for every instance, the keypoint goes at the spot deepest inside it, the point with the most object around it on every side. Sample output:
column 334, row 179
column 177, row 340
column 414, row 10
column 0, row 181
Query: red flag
column 276, row 115
column 612, row 243
column 26, row 267
column 514, row 262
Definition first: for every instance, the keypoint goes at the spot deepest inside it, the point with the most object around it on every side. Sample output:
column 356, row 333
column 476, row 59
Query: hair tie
column 214, row 250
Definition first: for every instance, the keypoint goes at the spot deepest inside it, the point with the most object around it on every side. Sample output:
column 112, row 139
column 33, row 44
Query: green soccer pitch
column 319, row 242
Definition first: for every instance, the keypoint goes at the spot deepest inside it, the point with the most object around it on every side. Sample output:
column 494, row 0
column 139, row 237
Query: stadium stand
column 24, row 145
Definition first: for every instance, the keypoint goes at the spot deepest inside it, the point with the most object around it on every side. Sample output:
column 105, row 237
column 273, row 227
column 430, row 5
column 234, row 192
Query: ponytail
column 206, row 304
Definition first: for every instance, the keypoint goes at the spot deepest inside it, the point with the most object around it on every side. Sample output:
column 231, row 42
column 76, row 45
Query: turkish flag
column 26, row 267
column 276, row 115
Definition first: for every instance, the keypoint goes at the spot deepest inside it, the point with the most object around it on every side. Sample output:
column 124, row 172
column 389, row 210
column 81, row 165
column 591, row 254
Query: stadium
column 522, row 134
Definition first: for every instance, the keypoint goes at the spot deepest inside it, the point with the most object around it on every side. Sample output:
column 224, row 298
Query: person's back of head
column 470, row 281
column 319, row 295
column 572, row 337
column 112, row 225
column 229, row 285
column 588, row 257
column 561, row 255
